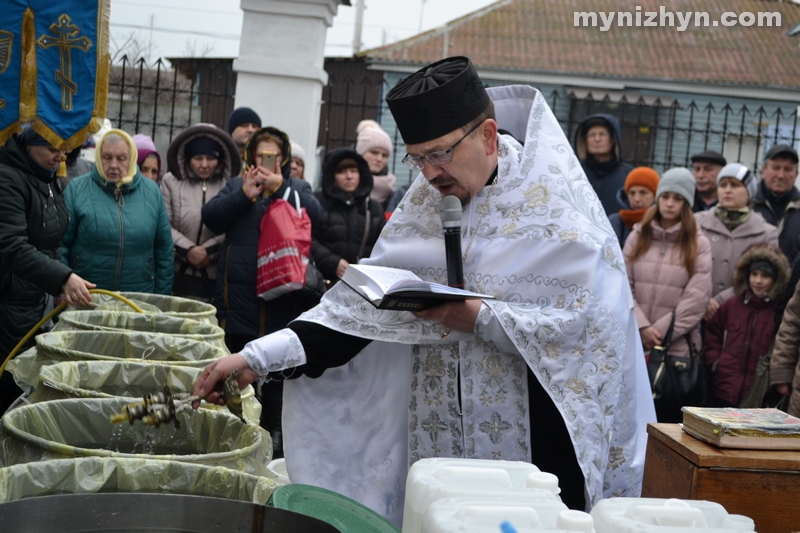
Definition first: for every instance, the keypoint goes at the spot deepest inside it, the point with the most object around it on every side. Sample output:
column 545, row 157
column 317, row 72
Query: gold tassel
column 61, row 172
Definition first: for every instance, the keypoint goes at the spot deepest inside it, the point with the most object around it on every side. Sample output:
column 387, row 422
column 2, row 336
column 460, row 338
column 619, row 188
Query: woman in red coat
column 743, row 328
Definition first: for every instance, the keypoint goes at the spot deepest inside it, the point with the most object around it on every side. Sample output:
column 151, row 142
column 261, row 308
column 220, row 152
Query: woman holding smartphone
column 237, row 212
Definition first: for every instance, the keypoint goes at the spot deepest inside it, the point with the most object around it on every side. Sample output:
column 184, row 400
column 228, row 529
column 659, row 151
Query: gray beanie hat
column 740, row 172
column 680, row 181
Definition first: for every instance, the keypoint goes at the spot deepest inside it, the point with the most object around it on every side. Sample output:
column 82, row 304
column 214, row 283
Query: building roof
column 541, row 36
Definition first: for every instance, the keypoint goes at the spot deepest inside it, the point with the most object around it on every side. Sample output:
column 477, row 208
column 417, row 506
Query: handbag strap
column 366, row 232
column 667, row 340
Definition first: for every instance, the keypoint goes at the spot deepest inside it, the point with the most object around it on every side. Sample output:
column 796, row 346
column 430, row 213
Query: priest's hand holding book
column 457, row 316
column 401, row 290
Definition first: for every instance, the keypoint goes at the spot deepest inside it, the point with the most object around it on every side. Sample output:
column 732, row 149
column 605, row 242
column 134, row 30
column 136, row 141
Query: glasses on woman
column 437, row 158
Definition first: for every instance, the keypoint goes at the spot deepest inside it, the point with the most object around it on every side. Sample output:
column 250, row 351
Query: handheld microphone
column 450, row 213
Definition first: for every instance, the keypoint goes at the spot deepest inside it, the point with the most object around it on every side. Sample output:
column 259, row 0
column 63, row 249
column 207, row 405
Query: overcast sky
column 212, row 27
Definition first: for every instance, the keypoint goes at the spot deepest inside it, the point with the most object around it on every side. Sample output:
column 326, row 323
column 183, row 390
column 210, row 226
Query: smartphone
column 268, row 160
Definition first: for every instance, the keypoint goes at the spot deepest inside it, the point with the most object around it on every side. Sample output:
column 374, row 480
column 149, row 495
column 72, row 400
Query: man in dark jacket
column 352, row 221
column 32, row 221
column 597, row 145
column 778, row 200
column 705, row 167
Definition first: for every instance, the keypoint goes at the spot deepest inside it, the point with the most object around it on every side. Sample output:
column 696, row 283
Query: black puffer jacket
column 239, row 310
column 341, row 231
column 33, row 219
column 606, row 177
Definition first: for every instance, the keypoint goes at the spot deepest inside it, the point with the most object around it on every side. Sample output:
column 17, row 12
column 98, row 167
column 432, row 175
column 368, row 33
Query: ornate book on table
column 731, row 427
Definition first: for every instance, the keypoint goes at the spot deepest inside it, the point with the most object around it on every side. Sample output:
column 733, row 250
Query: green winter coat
column 33, row 218
column 119, row 239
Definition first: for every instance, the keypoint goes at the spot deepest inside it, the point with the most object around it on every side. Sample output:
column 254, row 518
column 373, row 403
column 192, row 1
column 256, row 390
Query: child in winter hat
column 743, row 328
column 680, row 181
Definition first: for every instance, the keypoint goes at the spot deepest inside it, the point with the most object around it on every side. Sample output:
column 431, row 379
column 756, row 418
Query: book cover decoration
column 731, row 427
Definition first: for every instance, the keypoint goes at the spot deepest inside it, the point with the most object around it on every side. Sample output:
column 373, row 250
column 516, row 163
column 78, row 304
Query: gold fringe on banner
column 27, row 80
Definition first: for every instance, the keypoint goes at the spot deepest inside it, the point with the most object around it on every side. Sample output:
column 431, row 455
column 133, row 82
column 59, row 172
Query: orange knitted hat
column 642, row 177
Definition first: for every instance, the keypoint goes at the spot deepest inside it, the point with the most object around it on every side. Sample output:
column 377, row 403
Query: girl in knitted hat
column 375, row 146
column 743, row 329
column 669, row 269
column 639, row 194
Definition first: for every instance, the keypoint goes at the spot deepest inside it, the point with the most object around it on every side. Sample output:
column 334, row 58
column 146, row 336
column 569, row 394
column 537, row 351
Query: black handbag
column 676, row 381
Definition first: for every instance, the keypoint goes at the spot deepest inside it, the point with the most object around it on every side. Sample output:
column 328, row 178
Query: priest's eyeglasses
column 437, row 158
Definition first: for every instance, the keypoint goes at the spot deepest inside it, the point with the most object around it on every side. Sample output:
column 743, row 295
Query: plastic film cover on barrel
column 126, row 319
column 127, row 379
column 86, row 475
column 58, row 346
column 64, row 429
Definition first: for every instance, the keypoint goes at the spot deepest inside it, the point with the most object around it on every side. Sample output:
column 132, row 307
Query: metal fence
column 664, row 132
column 160, row 100
column 657, row 131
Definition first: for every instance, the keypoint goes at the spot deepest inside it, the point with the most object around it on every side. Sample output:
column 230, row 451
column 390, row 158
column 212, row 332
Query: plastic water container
column 434, row 479
column 484, row 515
column 656, row 515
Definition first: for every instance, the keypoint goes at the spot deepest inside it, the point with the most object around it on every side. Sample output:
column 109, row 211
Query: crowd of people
column 709, row 253
column 188, row 227
column 711, row 256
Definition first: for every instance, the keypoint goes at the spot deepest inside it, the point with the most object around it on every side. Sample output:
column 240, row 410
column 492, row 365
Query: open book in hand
column 400, row 290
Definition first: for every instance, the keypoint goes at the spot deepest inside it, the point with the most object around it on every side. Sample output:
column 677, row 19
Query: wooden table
column 761, row 484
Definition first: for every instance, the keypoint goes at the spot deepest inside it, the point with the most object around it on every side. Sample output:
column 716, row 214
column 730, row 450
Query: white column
column 280, row 69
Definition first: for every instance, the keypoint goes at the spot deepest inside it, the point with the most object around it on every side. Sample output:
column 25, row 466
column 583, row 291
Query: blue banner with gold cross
column 54, row 64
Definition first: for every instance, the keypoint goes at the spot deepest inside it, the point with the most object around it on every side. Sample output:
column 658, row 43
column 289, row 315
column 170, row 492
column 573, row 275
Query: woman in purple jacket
column 669, row 268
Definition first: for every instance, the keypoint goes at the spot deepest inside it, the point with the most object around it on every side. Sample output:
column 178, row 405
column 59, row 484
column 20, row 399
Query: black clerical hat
column 437, row 99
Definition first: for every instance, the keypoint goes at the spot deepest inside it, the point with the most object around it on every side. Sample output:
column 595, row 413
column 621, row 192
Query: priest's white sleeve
column 488, row 327
column 275, row 352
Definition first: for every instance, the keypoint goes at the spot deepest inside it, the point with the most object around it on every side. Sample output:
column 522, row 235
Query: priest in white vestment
column 550, row 371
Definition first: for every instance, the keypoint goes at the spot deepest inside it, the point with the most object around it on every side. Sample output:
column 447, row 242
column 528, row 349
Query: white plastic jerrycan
column 484, row 515
column 430, row 480
column 656, row 515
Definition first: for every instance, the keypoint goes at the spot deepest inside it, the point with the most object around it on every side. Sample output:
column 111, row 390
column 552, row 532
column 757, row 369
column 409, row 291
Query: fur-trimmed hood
column 178, row 165
column 741, row 273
